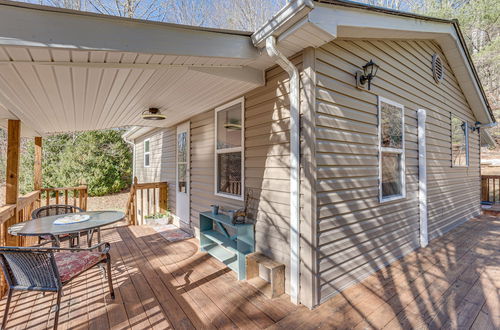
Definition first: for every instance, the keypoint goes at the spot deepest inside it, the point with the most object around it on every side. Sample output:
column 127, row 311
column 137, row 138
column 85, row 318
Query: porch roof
column 64, row 70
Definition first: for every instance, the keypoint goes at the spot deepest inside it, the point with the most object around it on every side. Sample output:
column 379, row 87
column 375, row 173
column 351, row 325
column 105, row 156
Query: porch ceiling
column 54, row 78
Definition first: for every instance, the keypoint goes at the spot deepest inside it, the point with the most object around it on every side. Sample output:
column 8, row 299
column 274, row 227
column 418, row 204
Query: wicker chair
column 49, row 210
column 49, row 269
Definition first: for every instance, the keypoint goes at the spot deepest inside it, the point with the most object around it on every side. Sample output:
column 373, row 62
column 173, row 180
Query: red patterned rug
column 171, row 233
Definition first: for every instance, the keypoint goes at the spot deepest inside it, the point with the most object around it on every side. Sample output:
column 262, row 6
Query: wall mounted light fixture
column 363, row 77
column 478, row 125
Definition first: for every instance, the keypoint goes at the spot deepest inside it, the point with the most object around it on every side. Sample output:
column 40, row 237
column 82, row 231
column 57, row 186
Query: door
column 182, row 174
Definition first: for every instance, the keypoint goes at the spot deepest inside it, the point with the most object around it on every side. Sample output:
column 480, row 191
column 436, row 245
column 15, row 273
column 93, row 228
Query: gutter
column 294, row 97
column 456, row 25
column 293, row 12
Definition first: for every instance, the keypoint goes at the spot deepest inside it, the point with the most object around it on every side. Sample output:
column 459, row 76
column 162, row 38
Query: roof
column 308, row 23
column 119, row 18
column 65, row 70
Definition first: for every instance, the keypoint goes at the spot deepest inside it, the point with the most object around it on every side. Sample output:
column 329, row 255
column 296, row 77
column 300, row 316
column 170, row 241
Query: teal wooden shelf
column 228, row 249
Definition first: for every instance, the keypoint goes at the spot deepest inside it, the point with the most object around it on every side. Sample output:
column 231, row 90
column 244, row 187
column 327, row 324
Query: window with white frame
column 391, row 150
column 229, row 128
column 147, row 153
column 459, row 142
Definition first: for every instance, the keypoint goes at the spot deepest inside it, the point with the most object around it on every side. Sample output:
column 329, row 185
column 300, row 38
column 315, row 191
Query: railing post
column 12, row 174
column 484, row 190
column 37, row 170
column 163, row 198
column 13, row 154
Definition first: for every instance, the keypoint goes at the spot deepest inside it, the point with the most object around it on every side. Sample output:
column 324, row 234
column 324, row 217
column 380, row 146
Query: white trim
column 422, row 178
column 466, row 141
column 284, row 19
column 144, row 152
column 42, row 26
column 181, row 128
column 241, row 149
column 391, row 150
column 134, row 165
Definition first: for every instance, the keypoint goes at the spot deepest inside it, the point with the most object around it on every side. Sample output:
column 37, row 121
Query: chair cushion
column 71, row 264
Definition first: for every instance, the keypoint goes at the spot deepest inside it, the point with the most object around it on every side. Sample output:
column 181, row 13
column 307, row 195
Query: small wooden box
column 276, row 286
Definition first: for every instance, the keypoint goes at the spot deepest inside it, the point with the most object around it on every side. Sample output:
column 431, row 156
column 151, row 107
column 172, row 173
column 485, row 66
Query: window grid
column 147, row 152
column 239, row 149
column 391, row 150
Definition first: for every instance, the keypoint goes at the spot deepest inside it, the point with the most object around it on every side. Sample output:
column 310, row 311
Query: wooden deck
column 454, row 283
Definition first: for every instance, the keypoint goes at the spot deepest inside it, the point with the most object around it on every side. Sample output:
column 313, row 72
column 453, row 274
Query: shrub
column 101, row 159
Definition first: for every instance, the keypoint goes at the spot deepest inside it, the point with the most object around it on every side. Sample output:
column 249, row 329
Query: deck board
column 453, row 283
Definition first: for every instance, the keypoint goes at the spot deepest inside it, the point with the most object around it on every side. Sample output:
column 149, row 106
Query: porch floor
column 453, row 283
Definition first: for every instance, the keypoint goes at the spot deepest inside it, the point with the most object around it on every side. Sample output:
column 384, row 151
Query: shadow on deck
column 453, row 283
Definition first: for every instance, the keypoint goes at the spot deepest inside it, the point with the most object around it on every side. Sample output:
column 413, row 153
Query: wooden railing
column 76, row 196
column 490, row 188
column 146, row 199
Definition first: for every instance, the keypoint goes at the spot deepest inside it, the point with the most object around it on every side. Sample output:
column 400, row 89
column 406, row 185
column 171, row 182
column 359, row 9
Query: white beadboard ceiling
column 60, row 98
column 63, row 70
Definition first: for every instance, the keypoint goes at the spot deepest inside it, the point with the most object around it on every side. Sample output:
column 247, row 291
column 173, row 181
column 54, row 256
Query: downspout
column 132, row 143
column 294, row 97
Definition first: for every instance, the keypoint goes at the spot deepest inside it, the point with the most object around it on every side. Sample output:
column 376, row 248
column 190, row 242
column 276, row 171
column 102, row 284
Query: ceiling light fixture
column 153, row 114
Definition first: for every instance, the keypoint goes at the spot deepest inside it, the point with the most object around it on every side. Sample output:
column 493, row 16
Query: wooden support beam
column 163, row 199
column 13, row 156
column 37, row 171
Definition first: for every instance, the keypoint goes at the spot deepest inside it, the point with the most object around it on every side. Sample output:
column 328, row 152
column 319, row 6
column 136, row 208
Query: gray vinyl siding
column 267, row 160
column 356, row 233
column 202, row 168
column 162, row 160
column 266, row 165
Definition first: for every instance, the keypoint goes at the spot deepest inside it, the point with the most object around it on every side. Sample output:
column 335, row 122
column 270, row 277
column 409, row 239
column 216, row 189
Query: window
column 229, row 128
column 459, row 142
column 182, row 161
column 391, row 150
column 147, row 153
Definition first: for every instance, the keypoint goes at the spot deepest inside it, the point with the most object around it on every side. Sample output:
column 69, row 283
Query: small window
column 229, row 128
column 459, row 142
column 147, row 153
column 392, row 150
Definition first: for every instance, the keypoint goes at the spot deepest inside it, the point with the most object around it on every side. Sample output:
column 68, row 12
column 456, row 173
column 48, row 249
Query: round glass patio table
column 45, row 226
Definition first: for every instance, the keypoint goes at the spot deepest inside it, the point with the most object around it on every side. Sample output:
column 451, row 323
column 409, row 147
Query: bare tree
column 246, row 15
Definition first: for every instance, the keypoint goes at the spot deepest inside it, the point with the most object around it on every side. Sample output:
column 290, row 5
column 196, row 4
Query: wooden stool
column 276, row 286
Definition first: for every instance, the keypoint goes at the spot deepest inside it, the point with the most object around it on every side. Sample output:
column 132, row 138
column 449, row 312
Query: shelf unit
column 229, row 249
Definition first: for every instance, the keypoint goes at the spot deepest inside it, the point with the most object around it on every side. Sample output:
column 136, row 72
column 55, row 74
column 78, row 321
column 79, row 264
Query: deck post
column 37, row 170
column 13, row 156
column 163, row 198
column 12, row 175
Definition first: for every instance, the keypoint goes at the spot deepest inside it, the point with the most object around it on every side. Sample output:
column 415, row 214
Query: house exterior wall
column 266, row 164
column 356, row 233
column 162, row 159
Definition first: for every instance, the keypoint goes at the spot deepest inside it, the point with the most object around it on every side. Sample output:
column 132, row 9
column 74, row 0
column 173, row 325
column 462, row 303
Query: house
column 353, row 132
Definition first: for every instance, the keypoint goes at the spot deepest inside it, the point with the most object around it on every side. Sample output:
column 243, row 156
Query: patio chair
column 49, row 269
column 49, row 210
